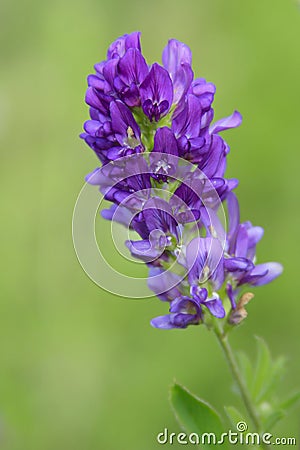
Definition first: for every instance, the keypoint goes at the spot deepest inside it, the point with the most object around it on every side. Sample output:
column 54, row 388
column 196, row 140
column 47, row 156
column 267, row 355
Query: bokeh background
column 81, row 369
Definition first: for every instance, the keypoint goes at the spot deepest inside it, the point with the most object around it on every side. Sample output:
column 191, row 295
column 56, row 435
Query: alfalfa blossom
column 163, row 170
column 212, row 269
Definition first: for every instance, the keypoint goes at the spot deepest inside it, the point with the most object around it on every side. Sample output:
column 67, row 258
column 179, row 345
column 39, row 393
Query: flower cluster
column 163, row 169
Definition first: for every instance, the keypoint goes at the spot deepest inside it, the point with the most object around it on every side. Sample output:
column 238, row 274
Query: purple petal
column 124, row 125
column 133, row 40
column 254, row 235
column 265, row 273
column 132, row 70
column 99, row 67
column 143, row 250
column 94, row 177
column 215, row 306
column 192, row 215
column 215, row 161
column 188, row 121
column 231, row 295
column 158, row 216
column 123, row 43
column 162, row 160
column 182, row 320
column 199, row 293
column 177, row 320
column 206, row 119
column 238, row 264
column 190, row 194
column 174, row 54
column 132, row 67
column 109, row 193
column 232, row 121
column 204, row 91
column 98, row 100
column 92, row 99
column 163, row 322
column 212, row 223
column 182, row 82
column 177, row 59
column 108, row 213
column 120, row 196
column 186, row 201
column 99, row 145
column 197, row 144
column 139, row 246
column 91, row 127
column 97, row 82
column 184, row 304
column 232, row 183
column 226, row 188
column 233, row 218
column 156, row 93
column 165, row 142
column 116, row 152
column 242, row 242
column 164, row 284
column 117, row 48
column 118, row 214
column 204, row 260
column 95, row 114
column 201, row 86
column 109, row 71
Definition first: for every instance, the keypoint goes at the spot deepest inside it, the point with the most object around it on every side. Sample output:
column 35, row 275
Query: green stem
column 229, row 355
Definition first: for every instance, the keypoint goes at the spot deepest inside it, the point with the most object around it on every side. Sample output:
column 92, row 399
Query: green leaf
column 273, row 418
column 290, row 401
column 263, row 384
column 246, row 369
column 193, row 414
column 234, row 415
column 268, row 373
column 271, row 383
column 263, row 369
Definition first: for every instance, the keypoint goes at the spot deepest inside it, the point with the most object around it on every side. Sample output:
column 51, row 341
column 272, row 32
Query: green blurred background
column 81, row 369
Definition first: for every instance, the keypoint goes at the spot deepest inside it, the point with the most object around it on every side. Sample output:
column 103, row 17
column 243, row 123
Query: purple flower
column 126, row 181
column 187, row 127
column 165, row 284
column 177, row 60
column 241, row 247
column 122, row 44
column 184, row 311
column 126, row 131
column 132, row 70
column 158, row 229
column 187, row 200
column 204, row 91
column 213, row 162
column 205, row 262
column 232, row 121
column 163, row 170
column 165, row 142
column 123, row 85
column 162, row 163
column 98, row 99
column 205, row 272
column 156, row 93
